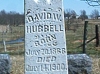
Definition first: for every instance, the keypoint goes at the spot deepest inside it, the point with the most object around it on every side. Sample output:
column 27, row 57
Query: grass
column 16, row 51
column 17, row 31
column 17, row 64
column 75, row 39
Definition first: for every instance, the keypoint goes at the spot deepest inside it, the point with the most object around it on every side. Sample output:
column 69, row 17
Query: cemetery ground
column 74, row 39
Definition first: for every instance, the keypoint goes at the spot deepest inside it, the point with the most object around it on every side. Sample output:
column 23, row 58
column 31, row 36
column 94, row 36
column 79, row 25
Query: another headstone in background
column 45, row 43
column 5, row 64
column 79, row 64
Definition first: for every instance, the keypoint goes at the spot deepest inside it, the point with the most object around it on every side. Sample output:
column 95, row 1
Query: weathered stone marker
column 79, row 64
column 5, row 64
column 45, row 43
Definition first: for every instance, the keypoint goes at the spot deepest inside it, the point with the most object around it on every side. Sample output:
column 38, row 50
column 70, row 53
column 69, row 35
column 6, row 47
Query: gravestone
column 45, row 43
column 79, row 64
column 5, row 64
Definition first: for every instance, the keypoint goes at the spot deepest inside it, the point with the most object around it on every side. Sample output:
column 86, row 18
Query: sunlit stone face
column 45, row 46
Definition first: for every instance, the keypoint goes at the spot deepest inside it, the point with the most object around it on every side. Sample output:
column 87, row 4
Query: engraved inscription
column 46, row 59
column 44, row 28
column 32, row 52
column 46, row 51
column 52, row 51
column 44, row 39
column 44, row 15
column 45, row 46
column 47, row 67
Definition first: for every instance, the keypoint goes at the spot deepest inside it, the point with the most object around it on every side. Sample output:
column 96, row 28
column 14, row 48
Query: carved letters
column 44, row 15
column 44, row 28
column 45, row 46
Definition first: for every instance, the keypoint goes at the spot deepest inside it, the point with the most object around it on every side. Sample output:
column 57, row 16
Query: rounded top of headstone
column 77, row 56
column 4, row 56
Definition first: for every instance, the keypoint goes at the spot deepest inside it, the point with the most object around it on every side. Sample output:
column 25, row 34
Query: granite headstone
column 45, row 43
column 5, row 64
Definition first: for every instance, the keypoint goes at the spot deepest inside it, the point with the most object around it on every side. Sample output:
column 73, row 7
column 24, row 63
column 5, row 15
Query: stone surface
column 5, row 64
column 79, row 64
column 45, row 43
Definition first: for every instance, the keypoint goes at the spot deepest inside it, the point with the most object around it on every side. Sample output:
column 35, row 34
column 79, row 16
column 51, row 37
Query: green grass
column 17, row 31
column 75, row 39
column 18, row 48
